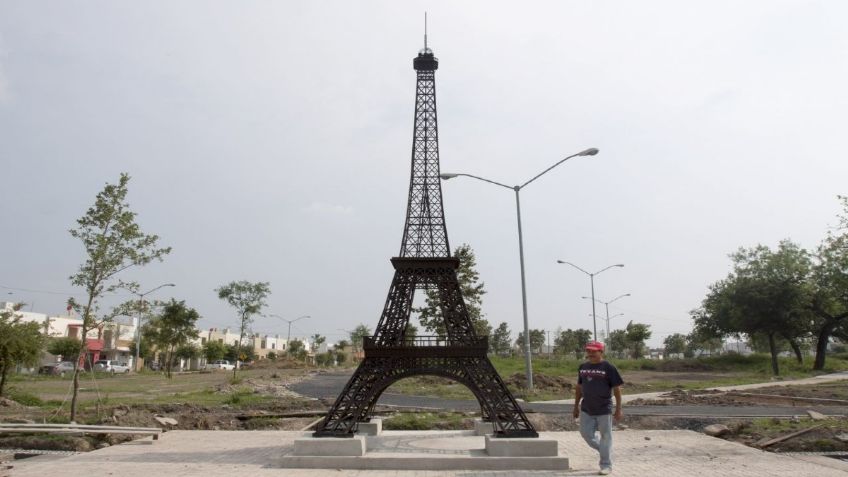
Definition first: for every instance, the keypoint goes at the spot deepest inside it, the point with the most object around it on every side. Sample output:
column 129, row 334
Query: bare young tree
column 113, row 242
column 248, row 299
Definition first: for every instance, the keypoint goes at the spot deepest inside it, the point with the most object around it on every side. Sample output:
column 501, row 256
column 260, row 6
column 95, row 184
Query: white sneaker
column 604, row 471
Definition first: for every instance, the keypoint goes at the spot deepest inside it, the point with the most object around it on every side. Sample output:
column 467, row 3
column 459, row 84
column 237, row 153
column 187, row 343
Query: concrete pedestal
column 520, row 447
column 330, row 446
column 371, row 428
column 481, row 427
column 424, row 450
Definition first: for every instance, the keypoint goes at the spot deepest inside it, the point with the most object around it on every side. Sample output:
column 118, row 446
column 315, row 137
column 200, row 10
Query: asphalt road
column 328, row 386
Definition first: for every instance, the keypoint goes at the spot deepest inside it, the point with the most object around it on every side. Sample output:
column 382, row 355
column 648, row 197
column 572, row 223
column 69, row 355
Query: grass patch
column 415, row 421
column 432, row 386
column 24, row 398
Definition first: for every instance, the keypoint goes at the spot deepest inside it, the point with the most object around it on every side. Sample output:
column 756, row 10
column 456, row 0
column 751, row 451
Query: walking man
column 597, row 381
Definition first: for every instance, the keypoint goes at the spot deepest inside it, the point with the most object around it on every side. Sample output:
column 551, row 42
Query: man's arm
column 578, row 394
column 617, row 393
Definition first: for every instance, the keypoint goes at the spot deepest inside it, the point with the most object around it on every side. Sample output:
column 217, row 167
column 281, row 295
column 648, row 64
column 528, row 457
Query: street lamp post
column 140, row 315
column 288, row 338
column 607, row 304
column 592, row 281
column 527, row 353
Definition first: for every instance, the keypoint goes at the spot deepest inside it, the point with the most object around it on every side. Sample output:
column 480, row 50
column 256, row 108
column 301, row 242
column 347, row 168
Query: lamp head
column 589, row 152
column 447, row 175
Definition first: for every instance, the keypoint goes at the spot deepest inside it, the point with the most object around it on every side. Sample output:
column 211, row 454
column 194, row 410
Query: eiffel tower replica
column 425, row 262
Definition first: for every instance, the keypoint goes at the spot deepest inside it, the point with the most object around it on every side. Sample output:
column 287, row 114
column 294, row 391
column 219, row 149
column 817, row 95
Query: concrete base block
column 481, row 427
column 330, row 446
column 426, row 462
column 520, row 447
column 372, row 428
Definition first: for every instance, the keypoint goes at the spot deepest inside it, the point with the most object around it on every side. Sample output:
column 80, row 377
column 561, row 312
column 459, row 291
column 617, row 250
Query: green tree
column 619, row 345
column 296, row 350
column 358, row 335
column 325, row 359
column 572, row 341
column 637, row 334
column 236, row 354
column 702, row 339
column 317, row 341
column 188, row 351
column 272, row 356
column 295, row 347
column 67, row 348
column 341, row 345
column 410, row 332
column 766, row 293
column 113, row 242
column 674, row 344
column 537, row 340
column 174, row 328
column 430, row 315
column 248, row 299
column 829, row 280
column 20, row 343
column 501, row 341
column 214, row 350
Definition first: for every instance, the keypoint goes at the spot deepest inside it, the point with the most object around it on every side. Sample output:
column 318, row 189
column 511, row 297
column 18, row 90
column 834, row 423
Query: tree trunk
column 821, row 345
column 75, row 393
column 238, row 346
column 797, row 349
column 3, row 374
column 83, row 352
column 773, row 350
column 168, row 362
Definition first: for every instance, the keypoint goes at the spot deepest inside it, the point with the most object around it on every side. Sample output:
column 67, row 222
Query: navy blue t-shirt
column 597, row 381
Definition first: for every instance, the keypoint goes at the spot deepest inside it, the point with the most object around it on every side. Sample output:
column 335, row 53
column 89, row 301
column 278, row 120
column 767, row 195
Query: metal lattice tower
column 425, row 262
column 425, row 234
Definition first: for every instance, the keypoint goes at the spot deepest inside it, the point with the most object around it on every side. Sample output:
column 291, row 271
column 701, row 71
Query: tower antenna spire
column 425, row 30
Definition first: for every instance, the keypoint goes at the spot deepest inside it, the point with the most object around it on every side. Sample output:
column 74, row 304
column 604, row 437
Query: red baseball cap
column 594, row 346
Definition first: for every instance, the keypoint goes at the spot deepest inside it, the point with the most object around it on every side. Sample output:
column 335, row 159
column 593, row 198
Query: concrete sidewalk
column 258, row 454
column 824, row 378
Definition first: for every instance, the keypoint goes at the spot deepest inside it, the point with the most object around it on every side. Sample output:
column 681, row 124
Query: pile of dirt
column 542, row 382
column 832, row 436
column 6, row 402
column 699, row 397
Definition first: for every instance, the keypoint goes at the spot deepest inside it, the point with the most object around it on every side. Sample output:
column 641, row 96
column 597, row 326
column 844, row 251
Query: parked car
column 111, row 366
column 220, row 364
column 57, row 369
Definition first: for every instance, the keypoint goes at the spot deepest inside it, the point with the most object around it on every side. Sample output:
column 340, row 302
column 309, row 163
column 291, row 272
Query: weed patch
column 416, row 421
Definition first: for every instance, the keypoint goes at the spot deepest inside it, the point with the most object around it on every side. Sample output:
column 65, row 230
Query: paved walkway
column 257, row 454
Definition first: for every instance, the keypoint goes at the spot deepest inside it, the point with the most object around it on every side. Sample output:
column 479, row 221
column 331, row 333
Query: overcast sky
column 270, row 141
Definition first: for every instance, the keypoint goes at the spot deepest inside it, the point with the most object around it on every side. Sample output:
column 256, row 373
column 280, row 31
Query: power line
column 47, row 292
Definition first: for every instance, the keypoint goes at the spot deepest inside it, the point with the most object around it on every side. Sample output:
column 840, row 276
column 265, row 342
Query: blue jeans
column 603, row 425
